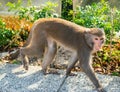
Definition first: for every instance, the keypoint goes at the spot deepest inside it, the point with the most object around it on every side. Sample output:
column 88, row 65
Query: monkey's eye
column 102, row 39
column 96, row 38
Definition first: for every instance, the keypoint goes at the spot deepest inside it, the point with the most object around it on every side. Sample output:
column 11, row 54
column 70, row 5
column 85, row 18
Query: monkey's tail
column 58, row 90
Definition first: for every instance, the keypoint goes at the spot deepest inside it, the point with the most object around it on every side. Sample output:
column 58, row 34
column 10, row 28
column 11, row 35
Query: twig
column 111, row 32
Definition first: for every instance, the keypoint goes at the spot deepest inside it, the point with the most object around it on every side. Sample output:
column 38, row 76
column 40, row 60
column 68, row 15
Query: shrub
column 6, row 35
column 13, row 31
column 98, row 15
column 67, row 9
column 34, row 12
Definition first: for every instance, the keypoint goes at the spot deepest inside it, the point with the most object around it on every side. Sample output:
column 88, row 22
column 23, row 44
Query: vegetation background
column 105, row 14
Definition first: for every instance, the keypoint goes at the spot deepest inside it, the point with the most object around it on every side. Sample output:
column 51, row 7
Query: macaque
column 46, row 33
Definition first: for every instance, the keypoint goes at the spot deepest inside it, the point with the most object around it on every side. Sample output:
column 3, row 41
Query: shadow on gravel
column 13, row 78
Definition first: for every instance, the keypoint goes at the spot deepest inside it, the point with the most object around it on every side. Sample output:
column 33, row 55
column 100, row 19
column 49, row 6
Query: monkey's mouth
column 97, row 48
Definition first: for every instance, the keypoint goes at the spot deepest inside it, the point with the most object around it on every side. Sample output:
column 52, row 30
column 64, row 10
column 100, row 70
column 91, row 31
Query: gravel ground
column 13, row 78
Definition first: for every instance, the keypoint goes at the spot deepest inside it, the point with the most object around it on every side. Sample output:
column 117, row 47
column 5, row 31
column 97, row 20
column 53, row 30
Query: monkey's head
column 95, row 38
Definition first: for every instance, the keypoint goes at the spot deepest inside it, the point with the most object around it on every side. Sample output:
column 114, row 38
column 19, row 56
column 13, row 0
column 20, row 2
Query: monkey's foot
column 25, row 67
column 53, row 71
column 50, row 71
column 44, row 71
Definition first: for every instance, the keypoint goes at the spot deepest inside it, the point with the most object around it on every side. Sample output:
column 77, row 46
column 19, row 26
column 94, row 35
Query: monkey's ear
column 87, row 33
column 88, row 38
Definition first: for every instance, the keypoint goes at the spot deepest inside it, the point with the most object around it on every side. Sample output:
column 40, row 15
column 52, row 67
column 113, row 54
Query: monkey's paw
column 50, row 71
column 53, row 71
column 25, row 67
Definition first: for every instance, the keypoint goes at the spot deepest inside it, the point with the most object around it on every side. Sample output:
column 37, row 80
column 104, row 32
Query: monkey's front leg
column 87, row 68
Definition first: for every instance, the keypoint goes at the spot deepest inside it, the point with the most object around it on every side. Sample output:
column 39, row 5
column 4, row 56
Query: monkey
column 46, row 33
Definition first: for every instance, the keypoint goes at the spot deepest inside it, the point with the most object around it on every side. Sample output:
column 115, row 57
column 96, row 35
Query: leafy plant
column 14, row 6
column 67, row 9
column 13, row 32
column 98, row 15
column 2, row 24
column 34, row 12
column 10, row 34
column 5, row 34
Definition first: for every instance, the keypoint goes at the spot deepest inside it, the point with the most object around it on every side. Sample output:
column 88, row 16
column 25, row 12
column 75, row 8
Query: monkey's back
column 60, row 29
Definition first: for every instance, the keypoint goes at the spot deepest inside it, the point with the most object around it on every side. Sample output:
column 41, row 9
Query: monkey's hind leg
column 49, row 55
column 74, row 60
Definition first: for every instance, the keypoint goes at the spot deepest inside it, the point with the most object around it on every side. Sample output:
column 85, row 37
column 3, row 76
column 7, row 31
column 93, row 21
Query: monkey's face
column 98, row 42
column 95, row 38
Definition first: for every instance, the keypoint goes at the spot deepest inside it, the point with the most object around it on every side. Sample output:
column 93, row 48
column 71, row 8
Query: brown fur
column 47, row 32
